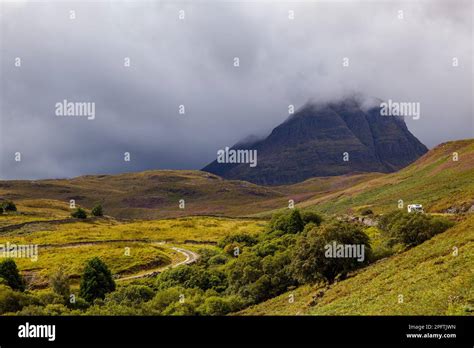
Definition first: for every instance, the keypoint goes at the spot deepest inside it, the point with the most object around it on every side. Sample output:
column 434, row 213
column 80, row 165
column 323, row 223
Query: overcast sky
column 191, row 62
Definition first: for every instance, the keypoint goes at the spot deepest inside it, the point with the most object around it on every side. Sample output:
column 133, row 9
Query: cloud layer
column 190, row 62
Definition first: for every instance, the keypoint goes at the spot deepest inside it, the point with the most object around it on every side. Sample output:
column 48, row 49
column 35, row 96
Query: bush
column 96, row 280
column 9, row 272
column 411, row 229
column 311, row 217
column 240, row 238
column 295, row 222
column 288, row 222
column 310, row 262
column 79, row 213
column 59, row 281
column 9, row 206
column 256, row 279
column 214, row 305
column 192, row 277
column 1, row 210
column 131, row 295
column 97, row 210
column 13, row 301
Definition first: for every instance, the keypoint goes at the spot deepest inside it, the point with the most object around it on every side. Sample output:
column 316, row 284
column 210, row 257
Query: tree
column 96, row 280
column 98, row 210
column 311, row 217
column 9, row 272
column 411, row 229
column 9, row 206
column 310, row 262
column 295, row 222
column 59, row 281
column 79, row 213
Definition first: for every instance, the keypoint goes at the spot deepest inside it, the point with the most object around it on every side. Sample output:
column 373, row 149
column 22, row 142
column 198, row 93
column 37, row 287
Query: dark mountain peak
column 326, row 139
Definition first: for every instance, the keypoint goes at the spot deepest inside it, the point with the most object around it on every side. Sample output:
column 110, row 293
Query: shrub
column 311, row 217
column 295, row 222
column 219, row 259
column 215, row 305
column 9, row 206
column 412, row 229
column 288, row 222
column 96, row 280
column 240, row 238
column 310, row 263
column 59, row 281
column 9, row 272
column 192, row 277
column 366, row 212
column 97, row 210
column 13, row 301
column 79, row 213
column 279, row 222
column 131, row 295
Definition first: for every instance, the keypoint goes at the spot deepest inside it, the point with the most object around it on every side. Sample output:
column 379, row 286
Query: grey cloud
column 190, row 62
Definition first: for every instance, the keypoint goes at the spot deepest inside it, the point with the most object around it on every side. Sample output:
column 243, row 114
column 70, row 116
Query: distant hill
column 434, row 180
column 312, row 142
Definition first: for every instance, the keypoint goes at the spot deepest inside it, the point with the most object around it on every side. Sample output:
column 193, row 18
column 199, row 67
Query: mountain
column 314, row 140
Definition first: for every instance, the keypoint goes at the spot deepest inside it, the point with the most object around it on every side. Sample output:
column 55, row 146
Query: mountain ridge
column 314, row 141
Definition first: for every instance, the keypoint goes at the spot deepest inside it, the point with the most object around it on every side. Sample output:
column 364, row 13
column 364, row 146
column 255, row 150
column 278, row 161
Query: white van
column 415, row 208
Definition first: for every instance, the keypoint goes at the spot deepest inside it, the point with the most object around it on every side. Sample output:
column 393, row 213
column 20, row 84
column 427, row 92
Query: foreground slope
column 429, row 277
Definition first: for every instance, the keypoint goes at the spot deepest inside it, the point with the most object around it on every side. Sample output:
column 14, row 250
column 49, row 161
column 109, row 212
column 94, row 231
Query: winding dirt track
column 190, row 256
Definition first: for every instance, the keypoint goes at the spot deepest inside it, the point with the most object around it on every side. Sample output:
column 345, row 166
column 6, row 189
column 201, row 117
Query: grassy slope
column 435, row 180
column 57, row 243
column 431, row 280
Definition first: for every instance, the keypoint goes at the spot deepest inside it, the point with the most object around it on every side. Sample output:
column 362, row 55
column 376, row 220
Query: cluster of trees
column 410, row 229
column 80, row 213
column 96, row 283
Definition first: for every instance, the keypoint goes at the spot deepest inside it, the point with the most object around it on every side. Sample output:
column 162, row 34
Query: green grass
column 431, row 280
column 435, row 180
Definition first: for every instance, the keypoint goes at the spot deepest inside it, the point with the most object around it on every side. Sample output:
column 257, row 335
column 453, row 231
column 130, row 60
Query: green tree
column 295, row 222
column 311, row 217
column 412, row 229
column 79, row 213
column 9, row 272
column 96, row 280
column 9, row 206
column 310, row 263
column 98, row 210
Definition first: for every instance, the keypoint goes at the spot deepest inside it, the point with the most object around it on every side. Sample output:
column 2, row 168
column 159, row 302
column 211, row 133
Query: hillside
column 430, row 278
column 311, row 143
column 435, row 180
